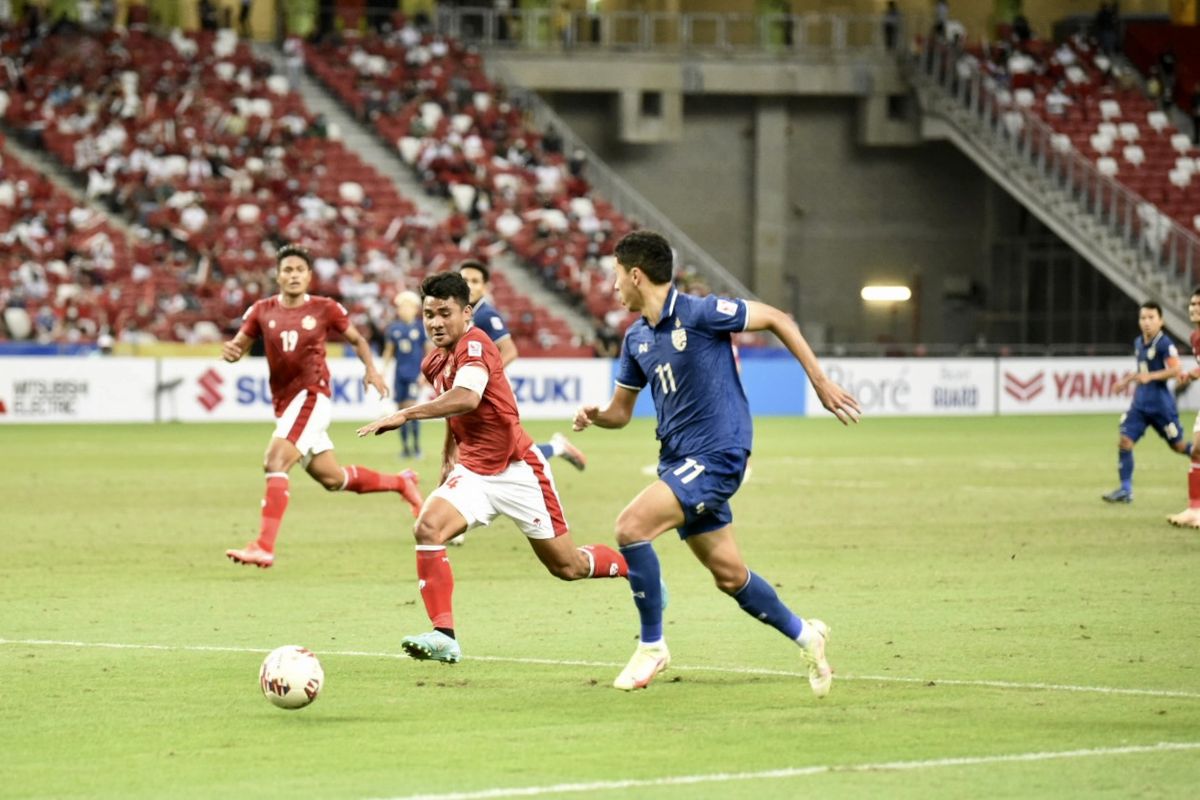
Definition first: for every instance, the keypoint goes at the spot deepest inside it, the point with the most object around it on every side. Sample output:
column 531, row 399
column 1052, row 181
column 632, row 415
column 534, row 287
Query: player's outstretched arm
column 835, row 399
column 363, row 350
column 236, row 347
column 616, row 414
column 508, row 350
column 449, row 455
column 457, row 400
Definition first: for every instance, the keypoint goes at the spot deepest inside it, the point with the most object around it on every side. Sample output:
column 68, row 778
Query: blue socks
column 646, row 584
column 758, row 599
column 1125, row 469
column 546, row 450
column 411, row 430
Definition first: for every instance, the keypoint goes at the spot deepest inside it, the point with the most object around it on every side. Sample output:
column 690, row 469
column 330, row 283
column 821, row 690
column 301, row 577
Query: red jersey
column 295, row 343
column 490, row 437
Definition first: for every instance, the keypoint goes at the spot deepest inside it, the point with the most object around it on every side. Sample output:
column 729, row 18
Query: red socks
column 361, row 480
column 606, row 562
column 273, row 505
column 437, row 584
column 1194, row 485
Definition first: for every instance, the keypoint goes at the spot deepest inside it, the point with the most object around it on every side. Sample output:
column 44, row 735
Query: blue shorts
column 405, row 390
column 703, row 485
column 1165, row 423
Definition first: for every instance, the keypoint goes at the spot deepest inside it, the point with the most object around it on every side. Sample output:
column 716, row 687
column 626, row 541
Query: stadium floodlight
column 886, row 294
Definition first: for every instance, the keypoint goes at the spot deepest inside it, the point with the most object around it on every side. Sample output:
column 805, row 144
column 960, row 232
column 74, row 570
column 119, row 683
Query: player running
column 488, row 319
column 1153, row 404
column 406, row 343
column 1190, row 517
column 294, row 326
column 681, row 348
column 490, row 466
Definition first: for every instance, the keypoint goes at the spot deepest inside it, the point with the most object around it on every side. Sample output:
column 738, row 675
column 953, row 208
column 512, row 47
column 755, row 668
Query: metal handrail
column 617, row 191
column 1166, row 251
column 558, row 31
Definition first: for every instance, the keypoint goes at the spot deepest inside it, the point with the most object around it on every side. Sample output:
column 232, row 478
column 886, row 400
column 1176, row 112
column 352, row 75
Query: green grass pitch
column 985, row 606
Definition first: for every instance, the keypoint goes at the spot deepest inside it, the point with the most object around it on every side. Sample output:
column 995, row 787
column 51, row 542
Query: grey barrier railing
column 1167, row 252
column 729, row 33
column 616, row 190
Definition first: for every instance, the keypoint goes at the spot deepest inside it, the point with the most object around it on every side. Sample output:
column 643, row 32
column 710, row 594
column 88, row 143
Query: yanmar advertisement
column 1063, row 385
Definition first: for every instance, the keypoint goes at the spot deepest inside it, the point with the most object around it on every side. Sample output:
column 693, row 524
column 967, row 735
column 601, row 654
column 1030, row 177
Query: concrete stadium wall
column 855, row 214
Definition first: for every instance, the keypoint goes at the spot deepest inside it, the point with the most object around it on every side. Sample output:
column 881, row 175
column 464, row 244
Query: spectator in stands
column 1106, row 24
column 1194, row 109
column 941, row 16
column 891, row 25
column 244, row 17
column 1166, row 63
column 1022, row 33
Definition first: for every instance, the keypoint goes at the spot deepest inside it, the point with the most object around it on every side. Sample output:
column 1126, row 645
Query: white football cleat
column 820, row 674
column 1188, row 518
column 648, row 660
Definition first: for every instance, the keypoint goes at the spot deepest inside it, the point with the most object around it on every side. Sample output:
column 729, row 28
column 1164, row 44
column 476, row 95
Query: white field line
column 554, row 662
column 801, row 772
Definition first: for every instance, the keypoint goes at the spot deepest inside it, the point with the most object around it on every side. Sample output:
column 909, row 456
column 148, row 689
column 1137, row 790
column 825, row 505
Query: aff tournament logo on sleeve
column 727, row 307
column 474, row 349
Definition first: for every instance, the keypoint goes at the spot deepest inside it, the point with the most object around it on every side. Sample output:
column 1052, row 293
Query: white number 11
column 666, row 377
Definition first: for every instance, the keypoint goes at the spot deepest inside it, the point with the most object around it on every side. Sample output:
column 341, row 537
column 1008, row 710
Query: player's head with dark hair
column 476, row 274
column 1150, row 319
column 446, row 286
column 446, row 308
column 648, row 252
column 293, row 270
column 294, row 251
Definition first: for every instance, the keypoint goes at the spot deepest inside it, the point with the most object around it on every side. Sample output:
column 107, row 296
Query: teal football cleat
column 432, row 646
column 1118, row 496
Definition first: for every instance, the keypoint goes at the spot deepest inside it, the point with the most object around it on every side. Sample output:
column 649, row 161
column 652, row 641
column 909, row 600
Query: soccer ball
column 291, row 677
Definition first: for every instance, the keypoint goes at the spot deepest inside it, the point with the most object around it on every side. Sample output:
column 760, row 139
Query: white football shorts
column 524, row 492
column 305, row 423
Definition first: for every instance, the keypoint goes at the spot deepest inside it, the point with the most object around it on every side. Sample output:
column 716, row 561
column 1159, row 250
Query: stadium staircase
column 1144, row 254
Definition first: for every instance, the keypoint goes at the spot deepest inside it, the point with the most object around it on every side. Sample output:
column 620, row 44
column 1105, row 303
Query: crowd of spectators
column 216, row 162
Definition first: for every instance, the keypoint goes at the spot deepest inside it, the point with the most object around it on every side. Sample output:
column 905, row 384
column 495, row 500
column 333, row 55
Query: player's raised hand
column 231, row 351
column 584, row 417
column 838, row 401
column 373, row 378
column 383, row 424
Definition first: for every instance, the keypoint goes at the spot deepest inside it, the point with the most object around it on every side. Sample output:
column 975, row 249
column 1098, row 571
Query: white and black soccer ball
column 291, row 677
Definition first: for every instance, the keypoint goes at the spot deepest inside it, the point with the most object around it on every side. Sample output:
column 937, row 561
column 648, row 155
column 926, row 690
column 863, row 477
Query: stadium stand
column 218, row 162
column 430, row 98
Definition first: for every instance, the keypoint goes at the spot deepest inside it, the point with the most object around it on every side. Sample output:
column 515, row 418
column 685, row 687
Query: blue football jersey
column 687, row 359
column 1152, row 356
column 408, row 341
column 488, row 320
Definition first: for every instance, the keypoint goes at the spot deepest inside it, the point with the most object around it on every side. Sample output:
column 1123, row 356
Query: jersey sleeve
column 337, row 317
column 629, row 371
column 250, row 322
column 723, row 314
column 470, row 352
column 493, row 325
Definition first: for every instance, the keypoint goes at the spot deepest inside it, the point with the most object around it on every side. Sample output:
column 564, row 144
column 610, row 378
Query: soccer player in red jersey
column 490, row 466
column 1190, row 516
column 294, row 326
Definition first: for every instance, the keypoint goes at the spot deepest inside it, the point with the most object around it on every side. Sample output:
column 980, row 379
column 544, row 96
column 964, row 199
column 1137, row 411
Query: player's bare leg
column 325, row 470
column 653, row 511
column 718, row 551
column 278, row 461
column 569, row 562
column 439, row 521
column 1190, row 516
